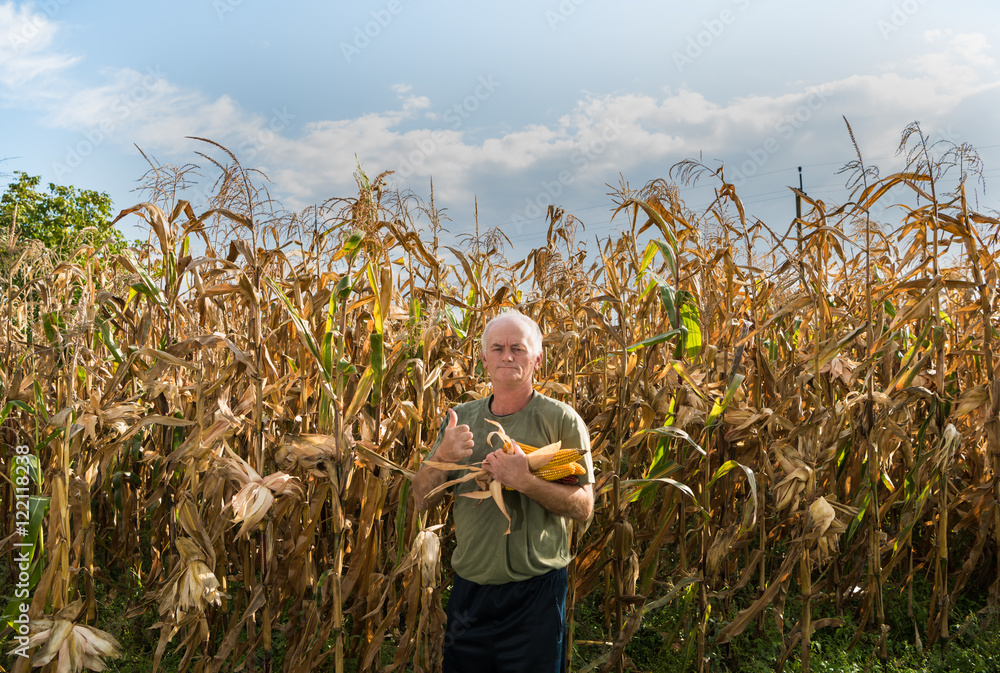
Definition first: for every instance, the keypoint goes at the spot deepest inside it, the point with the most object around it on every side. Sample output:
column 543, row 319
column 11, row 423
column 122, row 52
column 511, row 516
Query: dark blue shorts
column 518, row 627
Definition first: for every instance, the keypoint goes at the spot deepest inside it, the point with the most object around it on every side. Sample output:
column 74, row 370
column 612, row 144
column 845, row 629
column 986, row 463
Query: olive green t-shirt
column 539, row 540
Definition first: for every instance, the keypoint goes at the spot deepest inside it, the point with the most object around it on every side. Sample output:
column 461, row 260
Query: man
column 507, row 609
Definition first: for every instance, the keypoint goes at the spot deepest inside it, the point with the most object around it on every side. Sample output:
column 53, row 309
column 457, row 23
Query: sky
column 508, row 106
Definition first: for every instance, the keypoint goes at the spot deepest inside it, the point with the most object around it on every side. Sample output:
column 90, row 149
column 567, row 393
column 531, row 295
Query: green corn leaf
column 350, row 248
column 455, row 324
column 661, row 466
column 377, row 317
column 720, row 405
column 341, row 291
column 327, row 350
column 148, row 285
column 669, row 254
column 51, row 324
column 5, row 412
column 669, row 248
column 109, row 341
column 652, row 341
column 361, row 393
column 12, row 610
column 305, row 332
column 630, row 492
column 38, row 507
column 34, row 469
column 648, row 256
column 48, row 438
column 691, row 320
column 749, row 512
column 675, row 433
column 668, row 299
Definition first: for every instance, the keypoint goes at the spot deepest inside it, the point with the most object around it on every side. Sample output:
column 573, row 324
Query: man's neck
column 506, row 402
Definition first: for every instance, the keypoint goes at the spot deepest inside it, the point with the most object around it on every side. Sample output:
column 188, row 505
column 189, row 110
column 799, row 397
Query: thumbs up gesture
column 457, row 443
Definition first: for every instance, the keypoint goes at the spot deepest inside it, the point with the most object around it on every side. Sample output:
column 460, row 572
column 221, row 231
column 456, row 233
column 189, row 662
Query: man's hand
column 511, row 469
column 456, row 445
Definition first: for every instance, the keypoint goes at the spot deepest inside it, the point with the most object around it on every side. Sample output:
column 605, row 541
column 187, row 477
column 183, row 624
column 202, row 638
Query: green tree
column 62, row 218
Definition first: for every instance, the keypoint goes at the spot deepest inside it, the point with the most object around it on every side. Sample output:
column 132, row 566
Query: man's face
column 508, row 355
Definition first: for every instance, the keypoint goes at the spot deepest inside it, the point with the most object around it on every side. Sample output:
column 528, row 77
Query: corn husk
column 73, row 647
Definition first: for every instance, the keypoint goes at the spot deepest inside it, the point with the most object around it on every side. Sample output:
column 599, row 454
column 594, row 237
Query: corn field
column 792, row 427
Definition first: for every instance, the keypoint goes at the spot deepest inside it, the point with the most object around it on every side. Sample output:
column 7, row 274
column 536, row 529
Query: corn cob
column 551, row 454
column 553, row 473
column 563, row 457
column 550, row 469
column 551, row 463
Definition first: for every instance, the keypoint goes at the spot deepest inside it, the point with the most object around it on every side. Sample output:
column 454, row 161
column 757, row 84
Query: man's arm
column 427, row 479
column 574, row 502
column 456, row 445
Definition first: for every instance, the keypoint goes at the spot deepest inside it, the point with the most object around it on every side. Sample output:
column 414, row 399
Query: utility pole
column 798, row 212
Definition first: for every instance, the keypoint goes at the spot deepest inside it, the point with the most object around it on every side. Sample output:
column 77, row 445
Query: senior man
column 507, row 609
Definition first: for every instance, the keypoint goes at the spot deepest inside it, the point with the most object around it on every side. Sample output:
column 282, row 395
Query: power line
column 827, row 189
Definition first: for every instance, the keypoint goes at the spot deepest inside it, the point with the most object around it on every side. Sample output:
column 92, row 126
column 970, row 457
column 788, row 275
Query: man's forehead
column 513, row 339
column 507, row 332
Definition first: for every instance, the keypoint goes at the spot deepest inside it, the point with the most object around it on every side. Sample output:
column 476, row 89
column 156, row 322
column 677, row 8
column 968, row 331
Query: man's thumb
column 452, row 419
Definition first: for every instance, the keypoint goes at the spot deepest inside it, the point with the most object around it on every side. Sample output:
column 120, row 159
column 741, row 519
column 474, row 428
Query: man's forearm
column 574, row 502
column 427, row 479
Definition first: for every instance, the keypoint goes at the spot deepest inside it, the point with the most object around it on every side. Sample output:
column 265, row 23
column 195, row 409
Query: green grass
column 663, row 643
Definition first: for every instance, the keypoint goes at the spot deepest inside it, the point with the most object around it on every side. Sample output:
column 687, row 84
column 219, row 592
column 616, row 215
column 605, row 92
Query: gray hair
column 534, row 331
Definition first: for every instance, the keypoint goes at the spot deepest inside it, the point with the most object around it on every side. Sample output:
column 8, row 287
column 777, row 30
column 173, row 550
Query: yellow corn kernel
column 549, row 473
column 564, row 456
column 551, row 457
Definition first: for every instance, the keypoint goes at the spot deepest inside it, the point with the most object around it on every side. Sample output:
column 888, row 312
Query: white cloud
column 410, row 102
column 604, row 135
column 589, row 145
column 958, row 63
column 25, row 41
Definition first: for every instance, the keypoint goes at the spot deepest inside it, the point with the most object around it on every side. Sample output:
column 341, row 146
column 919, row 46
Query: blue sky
column 517, row 104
